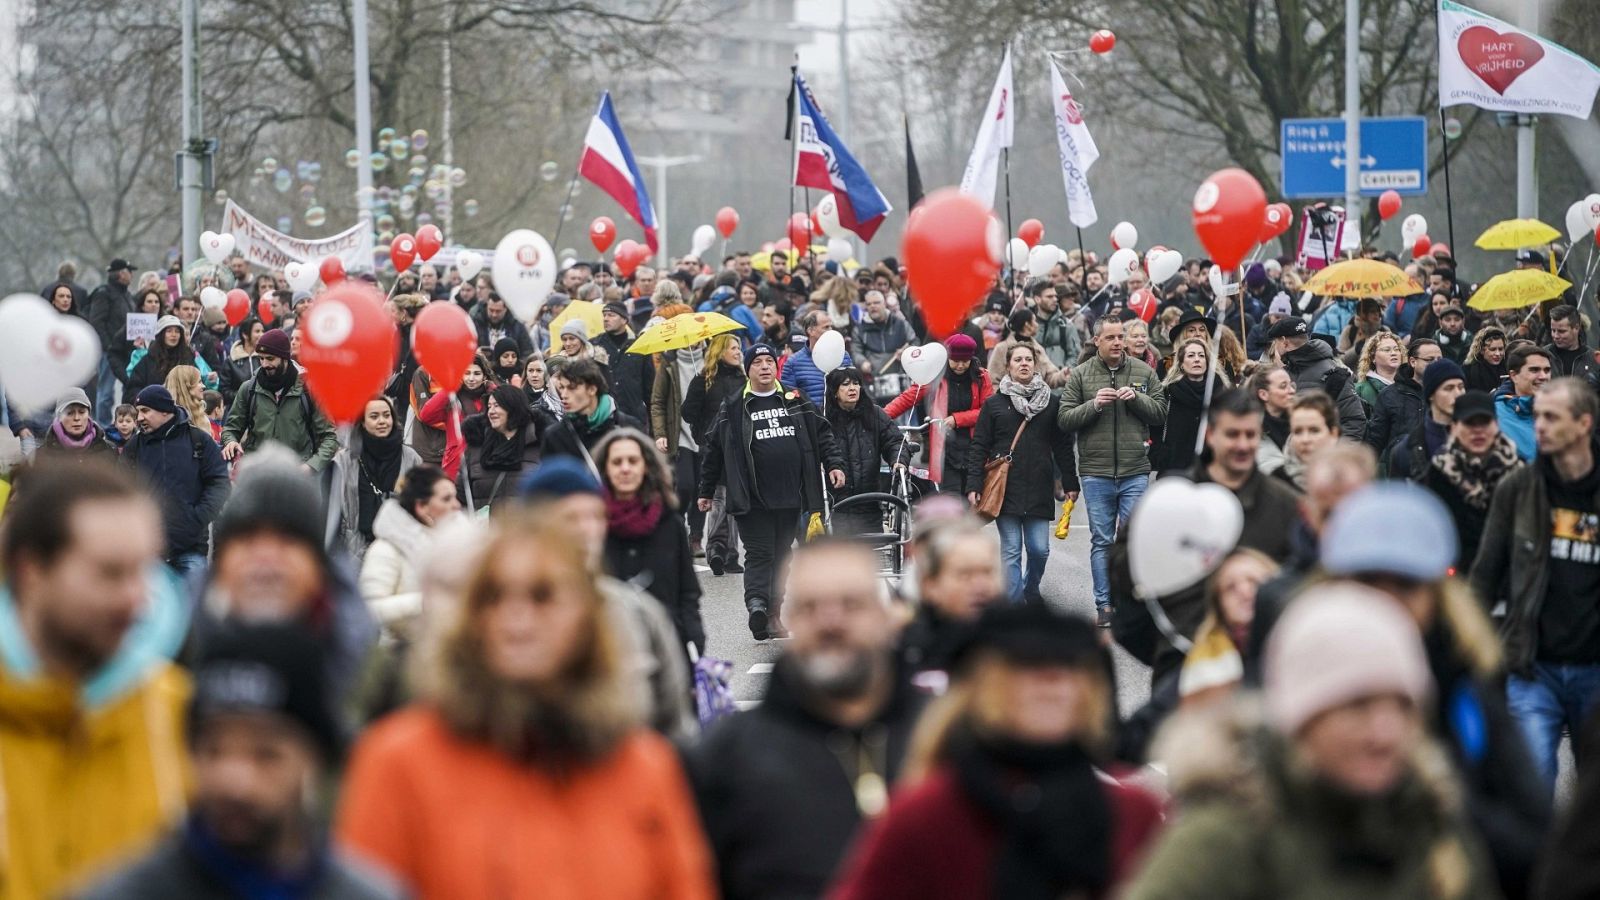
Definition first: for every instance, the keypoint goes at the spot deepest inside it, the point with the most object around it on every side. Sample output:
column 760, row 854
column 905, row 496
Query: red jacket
column 966, row 420
column 436, row 412
column 936, row 843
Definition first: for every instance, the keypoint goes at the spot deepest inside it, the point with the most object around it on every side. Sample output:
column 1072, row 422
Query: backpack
column 248, row 398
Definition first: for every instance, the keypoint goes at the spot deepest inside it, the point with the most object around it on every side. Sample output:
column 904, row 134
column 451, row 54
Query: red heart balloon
column 445, row 341
column 264, row 311
column 952, row 255
column 1031, row 232
column 727, row 221
column 1102, row 41
column 237, row 307
column 1275, row 221
column 602, row 232
column 799, row 230
column 429, row 240
column 403, row 251
column 1421, row 247
column 627, row 258
column 1388, row 204
column 348, row 350
column 1228, row 211
column 331, row 270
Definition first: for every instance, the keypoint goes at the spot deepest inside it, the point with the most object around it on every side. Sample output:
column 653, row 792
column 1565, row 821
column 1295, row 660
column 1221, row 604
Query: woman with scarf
column 866, row 437
column 403, row 534
column 435, row 412
column 73, row 434
column 243, row 361
column 1185, row 385
column 1486, row 360
column 1004, row 799
column 536, row 384
column 1272, row 385
column 646, row 540
column 150, row 365
column 507, row 365
column 1475, row 458
column 1019, row 422
column 952, row 404
column 502, row 442
column 366, row 472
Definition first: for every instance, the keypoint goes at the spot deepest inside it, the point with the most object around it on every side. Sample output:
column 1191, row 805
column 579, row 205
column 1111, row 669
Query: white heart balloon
column 827, row 352
column 301, row 276
column 524, row 272
column 1413, row 227
column 1219, row 286
column 469, row 264
column 1122, row 265
column 840, row 250
column 43, row 352
column 1041, row 259
column 926, row 363
column 1017, row 251
column 212, row 297
column 216, row 247
column 1577, row 220
column 1124, row 236
column 1179, row 533
column 828, row 217
column 1163, row 265
column 704, row 237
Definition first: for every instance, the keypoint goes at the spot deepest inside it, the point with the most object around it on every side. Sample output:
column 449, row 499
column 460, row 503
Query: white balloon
column 524, row 272
column 216, row 247
column 1591, row 207
column 213, row 297
column 1041, row 259
column 42, row 352
column 1413, row 227
column 704, row 237
column 827, row 352
column 1061, row 255
column 301, row 276
column 1179, row 533
column 1577, row 220
column 840, row 250
column 1122, row 264
column 828, row 217
column 1219, row 286
column 926, row 363
column 1124, row 236
column 1163, row 265
column 469, row 264
column 1017, row 251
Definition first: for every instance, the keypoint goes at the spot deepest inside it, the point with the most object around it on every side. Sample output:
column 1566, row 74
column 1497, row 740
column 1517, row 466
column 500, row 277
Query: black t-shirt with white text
column 775, row 449
column 1569, row 620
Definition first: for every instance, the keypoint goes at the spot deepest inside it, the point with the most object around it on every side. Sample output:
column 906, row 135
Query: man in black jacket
column 784, row 788
column 633, row 376
column 591, row 412
column 1442, row 382
column 185, row 471
column 1401, row 405
column 767, row 447
column 1569, row 355
column 1311, row 365
column 108, row 308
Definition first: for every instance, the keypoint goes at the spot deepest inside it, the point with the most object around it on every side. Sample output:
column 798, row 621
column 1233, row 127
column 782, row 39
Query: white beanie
column 1338, row 643
column 577, row 329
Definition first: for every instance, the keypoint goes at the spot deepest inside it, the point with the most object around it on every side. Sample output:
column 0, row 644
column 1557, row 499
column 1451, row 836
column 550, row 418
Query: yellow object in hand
column 1065, row 521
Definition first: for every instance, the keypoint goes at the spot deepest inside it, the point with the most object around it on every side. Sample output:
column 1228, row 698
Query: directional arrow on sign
column 1366, row 161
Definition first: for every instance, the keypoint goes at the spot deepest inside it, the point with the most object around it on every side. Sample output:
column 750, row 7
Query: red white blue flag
column 822, row 162
column 608, row 163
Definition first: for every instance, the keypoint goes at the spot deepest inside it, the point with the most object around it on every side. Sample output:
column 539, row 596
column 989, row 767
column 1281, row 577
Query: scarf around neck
column 603, row 410
column 1475, row 477
column 380, row 471
column 633, row 518
column 90, row 435
column 1028, row 399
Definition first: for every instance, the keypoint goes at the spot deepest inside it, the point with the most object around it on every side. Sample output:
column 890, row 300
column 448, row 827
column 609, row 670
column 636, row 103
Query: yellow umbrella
column 1362, row 278
column 586, row 311
column 1519, row 288
column 1514, row 234
column 682, row 331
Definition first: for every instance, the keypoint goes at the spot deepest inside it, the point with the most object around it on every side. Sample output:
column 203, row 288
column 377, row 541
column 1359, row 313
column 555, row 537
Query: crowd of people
column 456, row 648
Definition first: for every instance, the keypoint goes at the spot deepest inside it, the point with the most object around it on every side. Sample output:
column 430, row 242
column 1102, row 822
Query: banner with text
column 269, row 248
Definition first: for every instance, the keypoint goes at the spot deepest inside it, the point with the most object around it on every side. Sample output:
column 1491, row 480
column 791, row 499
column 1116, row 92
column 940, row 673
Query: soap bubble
column 549, row 171
column 458, row 177
column 379, row 162
column 470, row 208
column 316, row 216
column 220, row 197
column 282, row 181
column 419, row 138
column 352, row 158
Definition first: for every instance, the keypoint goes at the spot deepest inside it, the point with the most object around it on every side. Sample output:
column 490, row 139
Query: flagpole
column 561, row 218
column 794, row 112
column 1083, row 259
column 1449, row 205
column 1005, row 165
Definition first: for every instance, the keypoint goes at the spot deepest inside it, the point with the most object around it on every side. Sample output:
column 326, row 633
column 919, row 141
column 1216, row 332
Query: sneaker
column 758, row 625
column 1102, row 617
column 716, row 566
column 733, row 568
column 696, row 548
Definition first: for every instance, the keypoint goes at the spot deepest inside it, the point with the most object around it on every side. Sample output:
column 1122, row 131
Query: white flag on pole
column 1490, row 64
column 1078, row 151
column 994, row 134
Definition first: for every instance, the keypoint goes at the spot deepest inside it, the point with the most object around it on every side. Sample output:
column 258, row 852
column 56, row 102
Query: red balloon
column 1422, row 246
column 952, row 255
column 403, row 251
column 1102, row 41
column 602, row 232
column 1388, row 204
column 331, row 270
column 264, row 311
column 1275, row 221
column 429, row 240
column 1031, row 232
column 627, row 258
column 1143, row 303
column 1443, row 249
column 727, row 221
column 1228, row 211
column 445, row 341
column 799, row 230
column 237, row 307
column 348, row 350
column 783, row 245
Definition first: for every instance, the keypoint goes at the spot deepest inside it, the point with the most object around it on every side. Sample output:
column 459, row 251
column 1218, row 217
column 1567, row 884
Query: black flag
column 913, row 177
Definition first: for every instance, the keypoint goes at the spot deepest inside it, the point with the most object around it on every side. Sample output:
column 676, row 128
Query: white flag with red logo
column 1487, row 63
column 1078, row 151
column 994, row 135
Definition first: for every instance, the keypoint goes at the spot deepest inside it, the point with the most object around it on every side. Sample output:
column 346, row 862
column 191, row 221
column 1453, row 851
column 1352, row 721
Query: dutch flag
column 608, row 163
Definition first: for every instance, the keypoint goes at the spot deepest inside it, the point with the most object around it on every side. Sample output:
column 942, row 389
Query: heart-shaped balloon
column 1041, row 259
column 828, row 352
column 1219, row 285
column 1179, row 533
column 43, row 352
column 216, row 247
column 301, row 276
column 212, row 297
column 469, row 264
column 1163, row 265
column 1413, row 227
column 926, row 363
column 1122, row 265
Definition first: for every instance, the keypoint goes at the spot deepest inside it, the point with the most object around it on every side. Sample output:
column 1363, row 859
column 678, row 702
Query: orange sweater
column 457, row 819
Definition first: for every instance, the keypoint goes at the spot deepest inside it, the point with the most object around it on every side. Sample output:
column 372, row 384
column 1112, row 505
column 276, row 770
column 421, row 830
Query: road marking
column 746, row 704
column 760, row 669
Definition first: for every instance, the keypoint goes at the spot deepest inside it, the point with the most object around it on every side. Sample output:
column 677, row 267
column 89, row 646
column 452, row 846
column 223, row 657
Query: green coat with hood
column 283, row 420
column 1113, row 442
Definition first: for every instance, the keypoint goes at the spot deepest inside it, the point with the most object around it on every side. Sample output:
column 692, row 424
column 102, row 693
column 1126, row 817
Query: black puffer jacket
column 1042, row 450
column 701, row 405
column 660, row 564
column 1173, row 450
column 1311, row 366
column 865, row 435
column 1397, row 413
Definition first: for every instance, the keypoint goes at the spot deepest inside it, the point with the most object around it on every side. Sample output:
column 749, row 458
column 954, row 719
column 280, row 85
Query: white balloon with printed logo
column 828, row 217
column 1041, row 259
column 1413, row 227
column 301, row 276
column 469, row 264
column 925, row 364
column 1124, row 236
column 524, row 272
column 1122, row 265
column 1179, row 533
column 216, row 247
column 42, row 352
column 1162, row 265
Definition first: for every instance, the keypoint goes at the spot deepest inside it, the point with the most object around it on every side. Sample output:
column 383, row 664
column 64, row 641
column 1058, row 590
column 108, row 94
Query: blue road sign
column 1394, row 154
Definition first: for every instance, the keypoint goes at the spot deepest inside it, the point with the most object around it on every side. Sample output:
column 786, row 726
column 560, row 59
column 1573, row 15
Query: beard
column 85, row 646
column 839, row 674
column 278, row 379
column 240, row 827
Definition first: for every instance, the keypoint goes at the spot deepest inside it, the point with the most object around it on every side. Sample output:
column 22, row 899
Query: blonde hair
column 719, row 345
column 666, row 291
column 180, row 384
column 1370, row 350
column 1175, row 371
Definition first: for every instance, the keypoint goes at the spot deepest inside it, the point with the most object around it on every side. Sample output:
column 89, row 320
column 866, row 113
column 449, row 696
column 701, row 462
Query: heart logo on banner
column 1498, row 59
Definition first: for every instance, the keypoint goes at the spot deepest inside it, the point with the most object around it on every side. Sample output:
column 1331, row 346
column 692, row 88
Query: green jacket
column 1113, row 442
column 315, row 442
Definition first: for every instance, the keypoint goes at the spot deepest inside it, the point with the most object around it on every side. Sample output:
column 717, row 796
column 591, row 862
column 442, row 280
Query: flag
column 994, row 135
column 821, row 161
column 913, row 174
column 1490, row 64
column 608, row 163
column 1078, row 151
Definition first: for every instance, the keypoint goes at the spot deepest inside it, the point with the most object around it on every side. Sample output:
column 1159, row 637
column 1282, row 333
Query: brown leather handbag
column 995, row 473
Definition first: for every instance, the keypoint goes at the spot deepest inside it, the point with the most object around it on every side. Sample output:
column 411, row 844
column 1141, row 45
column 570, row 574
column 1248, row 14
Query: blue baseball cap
column 1391, row 528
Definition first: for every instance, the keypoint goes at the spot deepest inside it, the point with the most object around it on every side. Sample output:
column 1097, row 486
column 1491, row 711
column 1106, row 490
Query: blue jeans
column 186, row 564
column 1015, row 532
column 1556, row 695
column 105, row 395
column 1110, row 502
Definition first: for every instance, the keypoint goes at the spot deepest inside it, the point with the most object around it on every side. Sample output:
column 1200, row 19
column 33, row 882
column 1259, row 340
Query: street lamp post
column 661, row 164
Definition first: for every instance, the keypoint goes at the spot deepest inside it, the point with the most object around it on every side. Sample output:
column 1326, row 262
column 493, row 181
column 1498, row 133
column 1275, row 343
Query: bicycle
column 894, row 505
